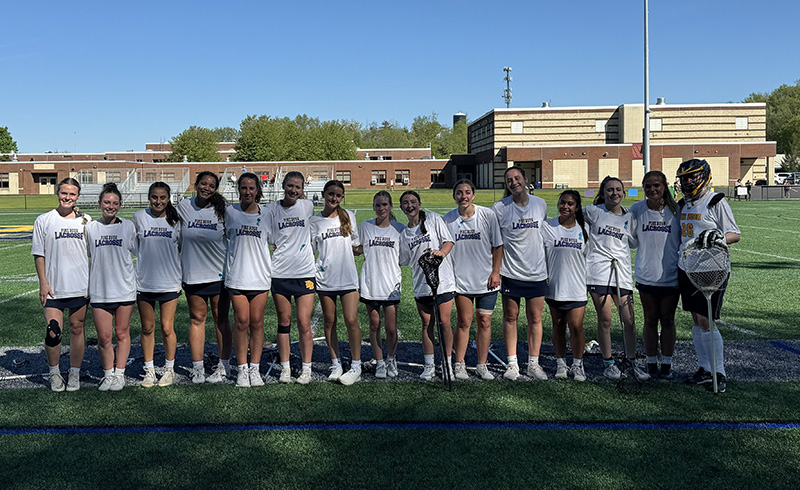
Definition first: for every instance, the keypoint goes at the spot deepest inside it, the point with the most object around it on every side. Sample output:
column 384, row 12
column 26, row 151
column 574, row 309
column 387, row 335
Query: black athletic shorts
column 67, row 303
column 154, row 298
column 693, row 300
column 294, row 287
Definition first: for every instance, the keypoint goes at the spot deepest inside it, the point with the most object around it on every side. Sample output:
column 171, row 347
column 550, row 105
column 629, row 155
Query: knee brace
column 284, row 329
column 55, row 339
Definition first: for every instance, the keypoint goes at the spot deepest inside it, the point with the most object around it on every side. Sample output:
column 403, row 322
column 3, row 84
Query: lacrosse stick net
column 429, row 264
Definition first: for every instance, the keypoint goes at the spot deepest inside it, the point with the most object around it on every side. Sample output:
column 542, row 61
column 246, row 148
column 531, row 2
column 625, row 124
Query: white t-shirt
column 336, row 267
column 112, row 278
column 523, row 250
column 158, row 262
column 380, row 274
column 609, row 237
column 291, row 233
column 62, row 243
column 475, row 237
column 203, row 243
column 697, row 217
column 566, row 261
column 413, row 244
column 659, row 236
column 248, row 265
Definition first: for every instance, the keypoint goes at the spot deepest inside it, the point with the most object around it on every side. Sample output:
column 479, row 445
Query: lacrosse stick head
column 429, row 264
column 708, row 262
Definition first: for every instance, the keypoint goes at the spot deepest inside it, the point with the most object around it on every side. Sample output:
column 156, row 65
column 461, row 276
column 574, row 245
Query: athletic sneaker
column 561, row 371
column 722, row 384
column 461, row 371
column 167, row 378
column 483, row 372
column 380, row 370
column 74, row 381
column 305, row 376
column 612, row 372
column 536, row 372
column 57, row 382
column 149, row 378
column 286, row 376
column 351, row 376
column 666, row 372
column 198, row 376
column 391, row 368
column 255, row 377
column 577, row 373
column 336, row 372
column 117, row 382
column 640, row 373
column 243, row 378
column 427, row 372
column 512, row 371
column 106, row 382
column 219, row 375
column 701, row 376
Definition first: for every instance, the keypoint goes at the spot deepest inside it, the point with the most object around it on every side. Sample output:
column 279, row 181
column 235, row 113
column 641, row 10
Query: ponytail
column 216, row 199
column 578, row 212
column 172, row 215
column 345, row 226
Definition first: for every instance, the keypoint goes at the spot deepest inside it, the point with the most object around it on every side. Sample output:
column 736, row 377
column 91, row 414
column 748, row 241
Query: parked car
column 781, row 176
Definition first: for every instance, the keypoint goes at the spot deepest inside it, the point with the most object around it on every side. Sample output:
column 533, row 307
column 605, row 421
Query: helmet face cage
column 692, row 168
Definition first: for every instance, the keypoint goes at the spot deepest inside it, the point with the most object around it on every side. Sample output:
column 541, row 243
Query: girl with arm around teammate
column 59, row 254
column 158, row 278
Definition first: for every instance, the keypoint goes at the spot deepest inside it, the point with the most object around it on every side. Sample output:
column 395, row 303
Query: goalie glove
column 711, row 238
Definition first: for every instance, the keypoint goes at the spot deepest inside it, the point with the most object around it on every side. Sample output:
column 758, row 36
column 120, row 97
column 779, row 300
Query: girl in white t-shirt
column 477, row 254
column 112, row 285
column 427, row 231
column 610, row 237
column 565, row 246
column 248, row 275
column 658, row 232
column 380, row 280
column 334, row 237
column 59, row 254
column 203, row 246
column 293, row 272
column 158, row 278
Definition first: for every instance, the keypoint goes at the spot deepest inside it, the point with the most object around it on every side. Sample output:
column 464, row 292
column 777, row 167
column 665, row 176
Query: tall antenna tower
column 507, row 91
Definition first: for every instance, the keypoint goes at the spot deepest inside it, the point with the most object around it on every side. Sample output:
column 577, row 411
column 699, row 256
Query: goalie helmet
column 691, row 168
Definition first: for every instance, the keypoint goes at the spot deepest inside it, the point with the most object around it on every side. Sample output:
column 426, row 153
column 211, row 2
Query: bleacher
column 133, row 184
column 272, row 178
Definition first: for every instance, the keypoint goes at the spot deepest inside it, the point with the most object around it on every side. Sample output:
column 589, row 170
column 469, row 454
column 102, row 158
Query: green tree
column 783, row 105
column 268, row 139
column 196, row 143
column 225, row 133
column 425, row 130
column 451, row 141
column 7, row 143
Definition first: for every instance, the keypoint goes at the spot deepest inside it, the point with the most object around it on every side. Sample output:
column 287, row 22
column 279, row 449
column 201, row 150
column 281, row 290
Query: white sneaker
column 612, row 372
column 336, row 372
column 149, row 378
column 427, row 372
column 243, row 378
column 577, row 373
column 57, row 382
column 117, row 382
column 255, row 377
column 219, row 375
column 391, row 368
column 512, row 371
column 460, row 369
column 106, row 382
column 198, row 376
column 305, row 376
column 536, row 372
column 351, row 376
column 167, row 378
column 640, row 373
column 380, row 370
column 74, row 381
column 286, row 376
column 561, row 371
column 483, row 372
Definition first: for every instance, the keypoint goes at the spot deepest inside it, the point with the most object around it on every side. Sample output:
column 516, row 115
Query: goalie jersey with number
column 710, row 212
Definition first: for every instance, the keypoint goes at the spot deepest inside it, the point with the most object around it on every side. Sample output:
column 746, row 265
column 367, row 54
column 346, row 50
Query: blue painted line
column 781, row 345
column 663, row 425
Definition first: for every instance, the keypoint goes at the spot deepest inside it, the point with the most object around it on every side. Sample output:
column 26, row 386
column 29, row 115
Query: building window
column 378, row 177
column 741, row 123
column 113, row 176
column 402, row 177
column 437, row 176
column 600, row 125
column 4, row 181
column 655, row 124
column 516, row 127
column 168, row 176
column 343, row 176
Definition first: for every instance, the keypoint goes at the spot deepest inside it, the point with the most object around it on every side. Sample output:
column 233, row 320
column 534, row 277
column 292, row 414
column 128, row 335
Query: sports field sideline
column 559, row 434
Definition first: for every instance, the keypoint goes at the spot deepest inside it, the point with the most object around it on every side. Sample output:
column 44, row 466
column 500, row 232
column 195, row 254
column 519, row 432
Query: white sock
column 107, row 373
column 306, row 366
column 169, row 363
column 512, row 359
column 428, row 359
column 255, row 366
column 561, row 362
column 226, row 363
column 55, row 369
column 149, row 365
column 119, row 371
column 577, row 362
column 197, row 365
column 718, row 351
column 702, row 359
column 450, row 361
column 336, row 361
column 242, row 368
column 285, row 365
column 381, row 362
column 75, row 370
column 705, row 340
column 533, row 360
column 356, row 365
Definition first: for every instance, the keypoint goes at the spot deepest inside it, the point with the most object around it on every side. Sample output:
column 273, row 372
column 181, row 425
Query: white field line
column 739, row 249
column 769, row 229
column 767, row 217
column 18, row 296
column 316, row 316
column 15, row 246
column 736, row 328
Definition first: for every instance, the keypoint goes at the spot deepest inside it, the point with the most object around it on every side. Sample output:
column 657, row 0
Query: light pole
column 507, row 91
column 646, row 131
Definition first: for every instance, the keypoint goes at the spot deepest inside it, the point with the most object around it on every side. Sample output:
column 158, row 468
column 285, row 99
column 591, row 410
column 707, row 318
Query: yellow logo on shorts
column 309, row 284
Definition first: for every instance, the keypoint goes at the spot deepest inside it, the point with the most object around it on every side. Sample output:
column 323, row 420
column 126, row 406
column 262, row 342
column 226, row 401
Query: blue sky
column 108, row 76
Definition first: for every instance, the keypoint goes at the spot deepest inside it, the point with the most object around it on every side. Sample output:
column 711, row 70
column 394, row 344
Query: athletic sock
column 652, row 359
column 428, row 359
column 169, row 363
column 241, row 368
column 702, row 359
column 512, row 359
column 381, row 362
column 255, row 366
column 450, row 361
column 608, row 362
column 666, row 360
column 285, row 364
column 561, row 362
column 119, row 371
column 306, row 365
column 336, row 361
column 197, row 365
column 107, row 373
column 388, row 358
column 718, row 351
column 705, row 343
column 75, row 370
column 149, row 365
column 533, row 360
column 55, row 369
column 356, row 365
column 577, row 362
column 226, row 363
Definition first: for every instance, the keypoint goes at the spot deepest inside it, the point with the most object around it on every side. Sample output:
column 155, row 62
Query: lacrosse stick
column 429, row 264
column 628, row 383
column 708, row 263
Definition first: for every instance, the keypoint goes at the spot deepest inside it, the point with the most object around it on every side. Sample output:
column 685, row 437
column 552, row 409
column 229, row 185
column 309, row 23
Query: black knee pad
column 284, row 329
column 55, row 339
